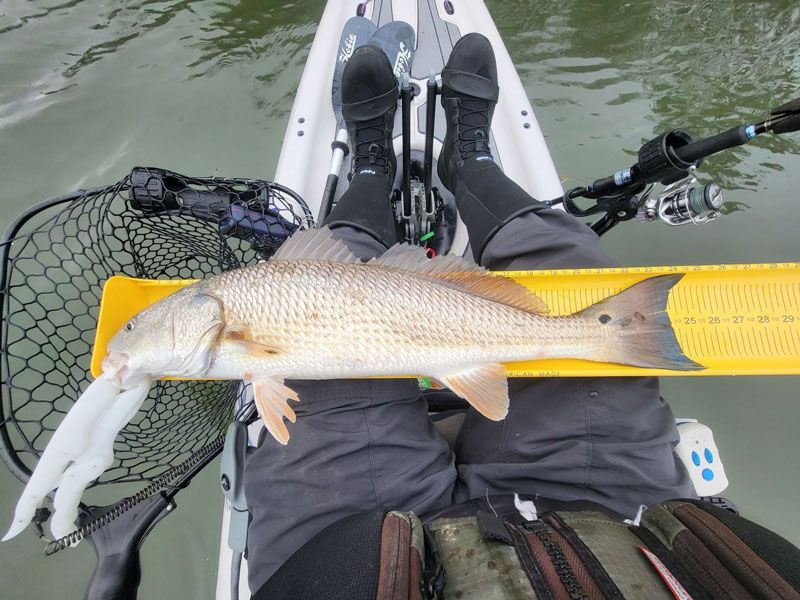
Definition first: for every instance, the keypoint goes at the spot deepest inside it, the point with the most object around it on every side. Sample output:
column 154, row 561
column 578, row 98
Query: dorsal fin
column 315, row 244
column 497, row 289
column 414, row 259
column 462, row 274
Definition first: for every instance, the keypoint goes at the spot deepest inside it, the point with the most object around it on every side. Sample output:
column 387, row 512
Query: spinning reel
column 670, row 159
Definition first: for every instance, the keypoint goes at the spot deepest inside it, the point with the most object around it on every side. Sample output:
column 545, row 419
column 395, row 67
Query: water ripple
column 702, row 66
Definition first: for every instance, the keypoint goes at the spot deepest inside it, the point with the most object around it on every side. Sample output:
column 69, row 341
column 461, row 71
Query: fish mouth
column 115, row 366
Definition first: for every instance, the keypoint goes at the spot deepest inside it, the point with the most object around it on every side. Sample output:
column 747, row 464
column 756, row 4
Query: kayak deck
column 732, row 319
column 517, row 142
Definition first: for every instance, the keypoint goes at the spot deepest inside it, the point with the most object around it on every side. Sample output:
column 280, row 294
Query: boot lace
column 473, row 131
column 371, row 144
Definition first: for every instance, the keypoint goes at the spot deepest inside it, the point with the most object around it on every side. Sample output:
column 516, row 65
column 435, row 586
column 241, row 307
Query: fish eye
column 129, row 326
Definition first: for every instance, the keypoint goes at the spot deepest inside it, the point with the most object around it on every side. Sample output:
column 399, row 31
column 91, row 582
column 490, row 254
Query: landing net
column 57, row 256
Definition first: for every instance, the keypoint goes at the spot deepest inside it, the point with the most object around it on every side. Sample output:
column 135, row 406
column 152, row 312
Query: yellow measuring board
column 732, row 319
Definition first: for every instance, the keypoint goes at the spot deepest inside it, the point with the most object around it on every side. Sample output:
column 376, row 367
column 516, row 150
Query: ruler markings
column 713, row 341
column 677, row 299
column 693, row 293
column 765, row 292
column 702, row 292
column 774, row 344
column 720, row 337
column 784, row 296
column 771, row 342
column 746, row 299
column 761, row 346
column 699, row 343
column 752, row 338
column 737, row 338
column 698, row 350
column 717, row 300
column 747, row 343
column 786, row 341
column 701, row 334
column 746, row 322
column 726, row 336
column 762, row 305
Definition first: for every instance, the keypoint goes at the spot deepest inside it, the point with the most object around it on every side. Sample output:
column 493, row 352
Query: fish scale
column 368, row 311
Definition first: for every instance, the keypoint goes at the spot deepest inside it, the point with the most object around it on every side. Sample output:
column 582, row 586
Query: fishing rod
column 670, row 159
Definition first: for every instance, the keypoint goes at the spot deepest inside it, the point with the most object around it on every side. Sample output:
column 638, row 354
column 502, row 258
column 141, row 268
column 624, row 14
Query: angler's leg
column 609, row 440
column 603, row 439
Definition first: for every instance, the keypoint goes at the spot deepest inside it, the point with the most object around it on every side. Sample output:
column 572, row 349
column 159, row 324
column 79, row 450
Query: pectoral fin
column 270, row 396
column 250, row 346
column 484, row 387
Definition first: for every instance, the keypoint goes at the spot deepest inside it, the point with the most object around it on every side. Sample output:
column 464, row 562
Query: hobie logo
column 347, row 49
column 367, row 171
column 402, row 61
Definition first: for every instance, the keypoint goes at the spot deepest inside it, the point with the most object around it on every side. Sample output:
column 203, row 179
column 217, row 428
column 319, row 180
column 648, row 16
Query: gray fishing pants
column 358, row 445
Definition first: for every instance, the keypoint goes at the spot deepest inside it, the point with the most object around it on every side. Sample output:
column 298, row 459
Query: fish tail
column 641, row 332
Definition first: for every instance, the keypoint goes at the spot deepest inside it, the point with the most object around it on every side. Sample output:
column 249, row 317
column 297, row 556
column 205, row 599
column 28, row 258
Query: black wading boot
column 469, row 95
column 369, row 101
column 486, row 198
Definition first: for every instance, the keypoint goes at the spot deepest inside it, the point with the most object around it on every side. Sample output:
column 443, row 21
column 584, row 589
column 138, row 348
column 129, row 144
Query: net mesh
column 153, row 224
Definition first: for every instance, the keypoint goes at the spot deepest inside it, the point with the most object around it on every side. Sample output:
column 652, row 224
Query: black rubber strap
column 336, row 144
column 371, row 108
column 470, row 84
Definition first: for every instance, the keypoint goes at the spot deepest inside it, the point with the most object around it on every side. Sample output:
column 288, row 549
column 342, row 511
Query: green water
column 88, row 90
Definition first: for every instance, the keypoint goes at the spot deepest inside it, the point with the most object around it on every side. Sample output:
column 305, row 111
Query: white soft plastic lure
column 314, row 311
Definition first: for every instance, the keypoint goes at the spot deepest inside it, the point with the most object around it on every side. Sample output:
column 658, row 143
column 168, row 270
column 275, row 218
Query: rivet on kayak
column 225, row 483
column 301, row 133
column 527, row 125
column 301, row 120
column 524, row 113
